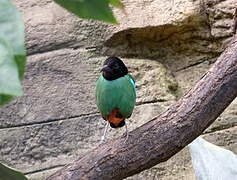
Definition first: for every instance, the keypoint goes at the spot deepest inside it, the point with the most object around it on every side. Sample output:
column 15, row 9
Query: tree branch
column 166, row 134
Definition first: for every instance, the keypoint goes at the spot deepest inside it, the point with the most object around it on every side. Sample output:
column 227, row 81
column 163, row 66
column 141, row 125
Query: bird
column 115, row 94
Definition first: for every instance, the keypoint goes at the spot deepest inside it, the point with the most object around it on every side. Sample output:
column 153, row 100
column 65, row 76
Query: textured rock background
column 167, row 46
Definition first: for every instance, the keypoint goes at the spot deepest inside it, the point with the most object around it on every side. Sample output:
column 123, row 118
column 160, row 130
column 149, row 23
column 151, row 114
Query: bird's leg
column 127, row 133
column 104, row 134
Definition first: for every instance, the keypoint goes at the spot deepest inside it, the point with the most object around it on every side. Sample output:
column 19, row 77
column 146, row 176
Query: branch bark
column 166, row 134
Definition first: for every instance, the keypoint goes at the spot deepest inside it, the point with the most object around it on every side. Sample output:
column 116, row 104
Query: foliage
column 7, row 173
column 12, row 52
column 92, row 9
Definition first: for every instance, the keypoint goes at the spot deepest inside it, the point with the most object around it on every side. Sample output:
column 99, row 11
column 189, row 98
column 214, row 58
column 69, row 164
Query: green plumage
column 116, row 94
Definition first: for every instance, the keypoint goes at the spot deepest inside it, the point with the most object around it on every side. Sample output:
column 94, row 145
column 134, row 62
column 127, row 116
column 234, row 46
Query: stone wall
column 167, row 46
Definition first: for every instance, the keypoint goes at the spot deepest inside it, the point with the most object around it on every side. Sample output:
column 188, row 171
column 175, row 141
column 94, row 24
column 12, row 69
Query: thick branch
column 165, row 135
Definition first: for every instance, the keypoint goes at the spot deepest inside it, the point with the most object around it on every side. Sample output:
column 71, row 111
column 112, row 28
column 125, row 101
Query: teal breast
column 116, row 94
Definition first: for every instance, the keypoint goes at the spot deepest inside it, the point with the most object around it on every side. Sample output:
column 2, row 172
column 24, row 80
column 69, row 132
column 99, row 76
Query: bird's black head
column 114, row 68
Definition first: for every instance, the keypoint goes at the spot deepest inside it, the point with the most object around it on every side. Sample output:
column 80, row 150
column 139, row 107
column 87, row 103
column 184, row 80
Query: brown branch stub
column 165, row 135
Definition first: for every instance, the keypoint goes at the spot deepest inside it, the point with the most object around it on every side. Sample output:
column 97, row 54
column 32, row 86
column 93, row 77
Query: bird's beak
column 103, row 68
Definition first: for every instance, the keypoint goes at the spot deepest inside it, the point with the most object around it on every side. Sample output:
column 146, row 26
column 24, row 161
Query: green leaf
column 90, row 9
column 12, row 26
column 7, row 173
column 9, row 78
column 20, row 62
column 12, row 52
column 116, row 3
column 5, row 99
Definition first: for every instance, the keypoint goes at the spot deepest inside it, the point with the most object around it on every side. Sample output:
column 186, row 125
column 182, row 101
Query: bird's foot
column 126, row 137
column 102, row 140
column 126, row 134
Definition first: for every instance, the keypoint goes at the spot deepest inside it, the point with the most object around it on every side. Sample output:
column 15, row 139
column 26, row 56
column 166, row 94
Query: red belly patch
column 115, row 117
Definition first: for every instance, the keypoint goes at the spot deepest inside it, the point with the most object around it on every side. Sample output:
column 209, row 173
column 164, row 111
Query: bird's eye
column 116, row 66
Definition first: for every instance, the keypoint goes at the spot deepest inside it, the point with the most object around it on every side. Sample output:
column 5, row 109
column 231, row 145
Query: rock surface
column 167, row 46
